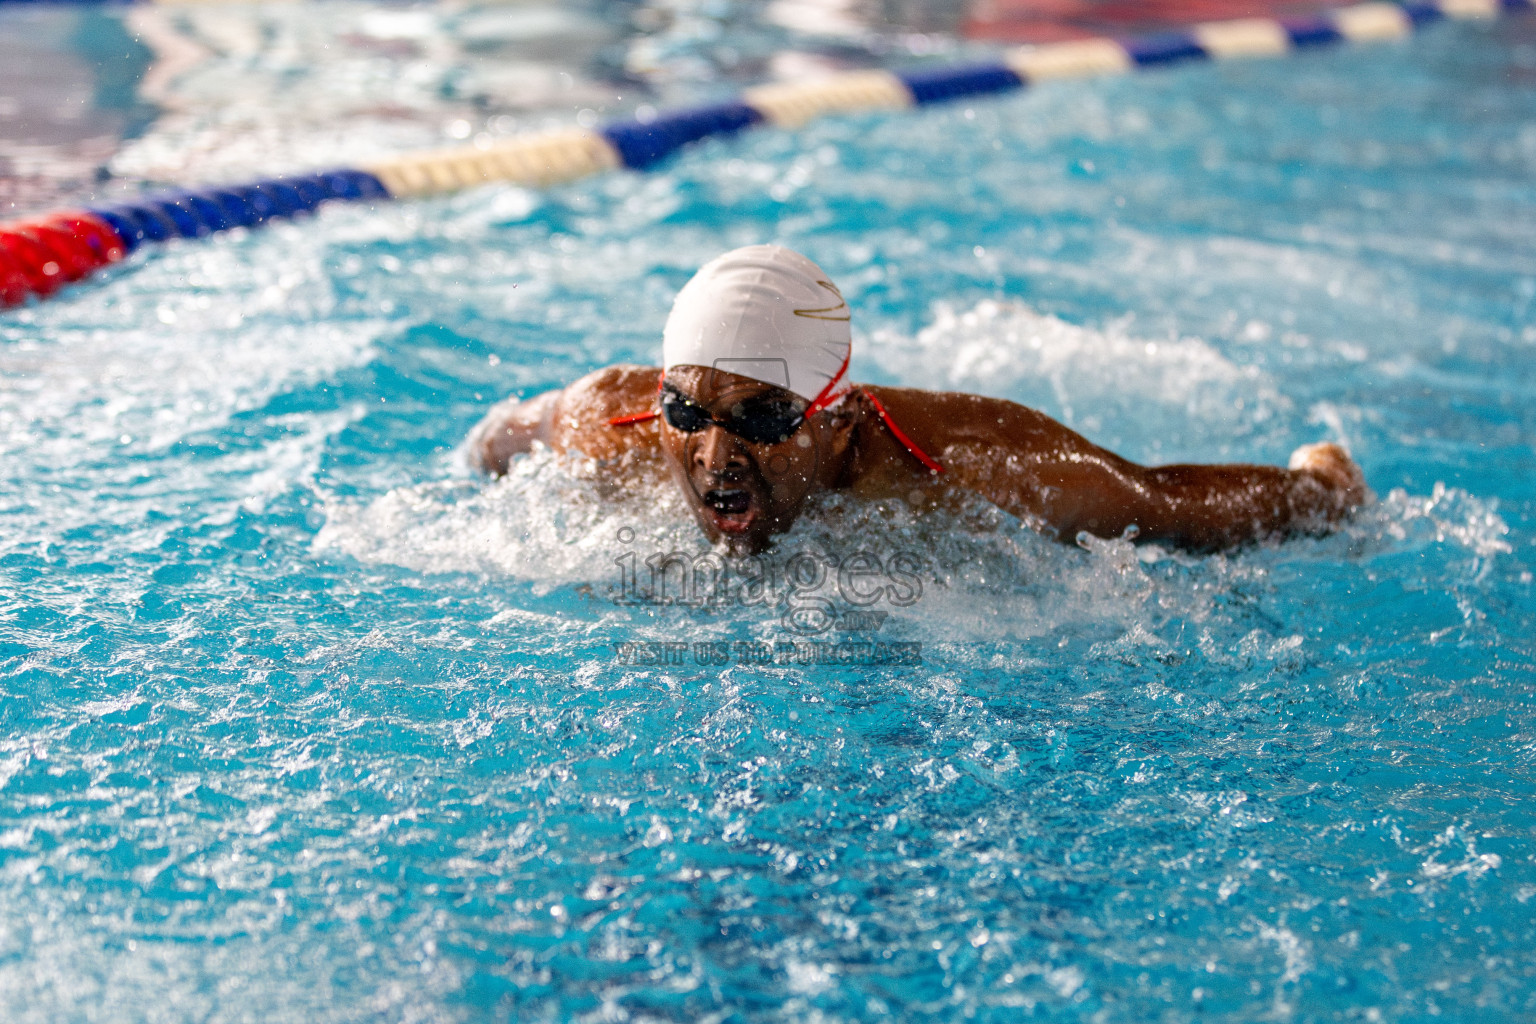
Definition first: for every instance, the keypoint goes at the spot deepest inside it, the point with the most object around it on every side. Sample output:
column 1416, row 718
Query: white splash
column 1108, row 383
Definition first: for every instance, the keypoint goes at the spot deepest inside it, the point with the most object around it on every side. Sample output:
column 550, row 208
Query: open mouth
column 730, row 509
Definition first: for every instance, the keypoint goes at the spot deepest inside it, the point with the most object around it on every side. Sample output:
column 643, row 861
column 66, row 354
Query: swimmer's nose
column 719, row 453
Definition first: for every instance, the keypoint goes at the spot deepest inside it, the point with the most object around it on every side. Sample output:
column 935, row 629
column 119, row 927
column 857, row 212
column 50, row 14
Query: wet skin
column 742, row 493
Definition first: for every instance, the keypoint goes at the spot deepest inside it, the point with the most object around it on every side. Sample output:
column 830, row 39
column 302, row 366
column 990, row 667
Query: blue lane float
column 1304, row 32
column 1422, row 14
column 942, row 85
column 643, row 144
column 194, row 213
column 39, row 254
column 1164, row 48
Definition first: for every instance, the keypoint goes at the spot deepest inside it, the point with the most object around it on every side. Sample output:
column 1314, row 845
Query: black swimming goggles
column 761, row 420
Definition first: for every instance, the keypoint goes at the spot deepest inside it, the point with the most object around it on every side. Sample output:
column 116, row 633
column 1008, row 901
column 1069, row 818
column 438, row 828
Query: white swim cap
column 764, row 312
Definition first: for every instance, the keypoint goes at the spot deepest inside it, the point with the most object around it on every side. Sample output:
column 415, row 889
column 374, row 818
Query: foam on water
column 1125, row 392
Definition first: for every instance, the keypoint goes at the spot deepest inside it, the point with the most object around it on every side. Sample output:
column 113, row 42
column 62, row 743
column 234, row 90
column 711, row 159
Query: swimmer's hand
column 510, row 428
column 1331, row 466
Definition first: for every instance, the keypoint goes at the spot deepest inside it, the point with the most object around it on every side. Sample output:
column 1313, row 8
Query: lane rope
column 39, row 255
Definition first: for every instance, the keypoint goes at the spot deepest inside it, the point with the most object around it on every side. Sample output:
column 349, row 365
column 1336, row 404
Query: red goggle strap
column 826, row 397
column 640, row 417
column 900, row 435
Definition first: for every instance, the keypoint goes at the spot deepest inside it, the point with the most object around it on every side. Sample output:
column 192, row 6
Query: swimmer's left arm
column 1207, row 507
column 1201, row 507
column 1038, row 469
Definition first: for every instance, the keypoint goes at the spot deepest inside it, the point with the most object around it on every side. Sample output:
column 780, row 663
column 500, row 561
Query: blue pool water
column 301, row 722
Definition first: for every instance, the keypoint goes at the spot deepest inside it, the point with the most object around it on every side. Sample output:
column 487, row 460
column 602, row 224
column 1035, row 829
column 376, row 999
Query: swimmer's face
column 742, row 490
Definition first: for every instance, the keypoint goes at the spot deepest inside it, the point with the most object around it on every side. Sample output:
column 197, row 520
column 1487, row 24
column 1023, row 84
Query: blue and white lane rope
column 39, row 254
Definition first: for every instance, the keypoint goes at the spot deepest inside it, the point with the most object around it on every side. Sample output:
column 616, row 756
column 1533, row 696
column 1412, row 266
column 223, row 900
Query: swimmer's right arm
column 511, row 428
column 575, row 418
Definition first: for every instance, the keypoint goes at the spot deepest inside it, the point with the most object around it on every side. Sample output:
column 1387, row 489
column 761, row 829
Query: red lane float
column 38, row 267
column 40, row 255
column 94, row 233
column 13, row 284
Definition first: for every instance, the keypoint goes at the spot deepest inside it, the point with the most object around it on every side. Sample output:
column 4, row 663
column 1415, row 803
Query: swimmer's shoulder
column 620, row 390
column 587, row 405
column 943, row 418
column 616, row 382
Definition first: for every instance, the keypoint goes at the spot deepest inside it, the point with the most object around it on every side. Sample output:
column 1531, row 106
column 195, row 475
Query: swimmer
column 751, row 414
